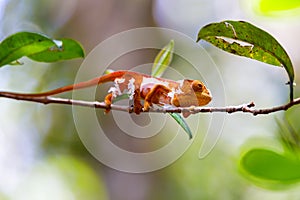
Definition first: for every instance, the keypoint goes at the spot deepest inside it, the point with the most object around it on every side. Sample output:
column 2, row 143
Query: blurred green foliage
column 192, row 178
column 268, row 6
column 61, row 177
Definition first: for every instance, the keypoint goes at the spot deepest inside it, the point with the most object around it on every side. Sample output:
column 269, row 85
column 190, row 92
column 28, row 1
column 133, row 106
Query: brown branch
column 246, row 108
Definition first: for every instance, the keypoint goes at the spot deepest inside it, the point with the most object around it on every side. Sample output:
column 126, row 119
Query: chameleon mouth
column 205, row 98
column 208, row 94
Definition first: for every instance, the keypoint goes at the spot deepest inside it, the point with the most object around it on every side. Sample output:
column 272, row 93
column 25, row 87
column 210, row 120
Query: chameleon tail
column 93, row 82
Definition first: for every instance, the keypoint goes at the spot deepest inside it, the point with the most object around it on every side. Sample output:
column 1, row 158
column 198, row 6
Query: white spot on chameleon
column 154, row 81
column 180, row 82
column 176, row 90
column 131, row 88
column 116, row 89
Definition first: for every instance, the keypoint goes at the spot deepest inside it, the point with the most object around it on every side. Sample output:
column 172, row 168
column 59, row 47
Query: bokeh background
column 41, row 155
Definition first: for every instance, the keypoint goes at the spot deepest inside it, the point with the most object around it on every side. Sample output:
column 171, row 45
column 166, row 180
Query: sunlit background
column 41, row 155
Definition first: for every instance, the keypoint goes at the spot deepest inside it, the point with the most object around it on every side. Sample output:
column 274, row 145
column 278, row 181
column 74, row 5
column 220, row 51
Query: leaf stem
column 291, row 91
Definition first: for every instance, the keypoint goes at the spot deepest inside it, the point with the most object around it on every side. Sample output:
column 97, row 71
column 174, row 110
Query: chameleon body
column 138, row 86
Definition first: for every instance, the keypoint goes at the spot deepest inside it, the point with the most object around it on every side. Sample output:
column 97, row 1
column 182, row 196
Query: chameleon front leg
column 154, row 95
column 137, row 106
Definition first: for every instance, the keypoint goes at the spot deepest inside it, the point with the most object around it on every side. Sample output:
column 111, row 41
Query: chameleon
column 159, row 91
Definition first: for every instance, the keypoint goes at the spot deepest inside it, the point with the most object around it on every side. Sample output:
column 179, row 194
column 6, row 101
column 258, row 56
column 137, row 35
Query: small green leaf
column 178, row 118
column 244, row 39
column 162, row 60
column 267, row 165
column 23, row 44
column 69, row 49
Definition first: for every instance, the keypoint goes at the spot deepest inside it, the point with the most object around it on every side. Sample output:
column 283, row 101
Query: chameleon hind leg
column 108, row 102
column 137, row 106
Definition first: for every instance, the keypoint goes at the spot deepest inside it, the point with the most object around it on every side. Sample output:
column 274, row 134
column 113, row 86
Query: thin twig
column 246, row 108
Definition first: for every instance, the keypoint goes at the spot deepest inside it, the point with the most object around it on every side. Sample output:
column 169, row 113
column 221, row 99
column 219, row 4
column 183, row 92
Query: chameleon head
column 202, row 93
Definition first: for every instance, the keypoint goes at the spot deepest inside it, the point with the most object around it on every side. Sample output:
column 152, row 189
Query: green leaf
column 69, row 49
column 23, row 44
column 178, row 118
column 162, row 60
column 244, row 39
column 37, row 47
column 267, row 165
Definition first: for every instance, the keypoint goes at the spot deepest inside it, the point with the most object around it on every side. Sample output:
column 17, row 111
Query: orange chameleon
column 182, row 93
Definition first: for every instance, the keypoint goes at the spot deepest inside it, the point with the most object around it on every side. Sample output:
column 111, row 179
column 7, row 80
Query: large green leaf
column 69, row 49
column 267, row 165
column 23, row 44
column 244, row 39
column 37, row 47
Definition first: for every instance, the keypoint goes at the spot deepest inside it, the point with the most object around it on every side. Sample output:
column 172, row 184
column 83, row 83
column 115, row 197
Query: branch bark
column 245, row 108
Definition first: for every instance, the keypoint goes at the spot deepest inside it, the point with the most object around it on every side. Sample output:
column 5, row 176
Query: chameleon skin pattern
column 182, row 93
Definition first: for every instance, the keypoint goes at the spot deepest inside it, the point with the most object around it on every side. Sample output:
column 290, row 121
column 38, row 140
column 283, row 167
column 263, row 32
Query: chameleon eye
column 197, row 86
column 200, row 86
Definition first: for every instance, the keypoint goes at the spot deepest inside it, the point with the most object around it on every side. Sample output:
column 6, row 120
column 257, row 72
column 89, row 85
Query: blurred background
column 41, row 155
